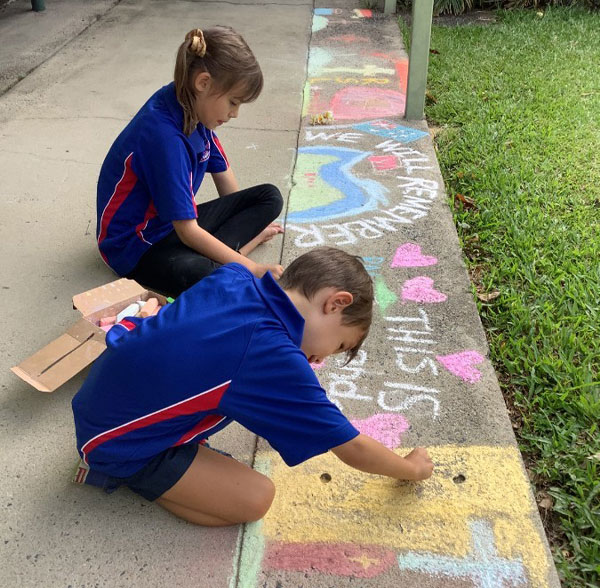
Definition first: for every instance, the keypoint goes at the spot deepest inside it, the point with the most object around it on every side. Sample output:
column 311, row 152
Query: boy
column 232, row 347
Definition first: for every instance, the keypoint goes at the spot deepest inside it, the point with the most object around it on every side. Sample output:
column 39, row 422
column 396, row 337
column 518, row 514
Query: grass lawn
column 519, row 106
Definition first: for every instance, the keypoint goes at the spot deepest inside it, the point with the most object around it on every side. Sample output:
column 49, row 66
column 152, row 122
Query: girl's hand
column 421, row 463
column 260, row 269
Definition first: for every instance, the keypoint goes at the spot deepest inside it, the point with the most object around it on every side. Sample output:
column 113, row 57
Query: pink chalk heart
column 385, row 428
column 461, row 364
column 421, row 289
column 409, row 255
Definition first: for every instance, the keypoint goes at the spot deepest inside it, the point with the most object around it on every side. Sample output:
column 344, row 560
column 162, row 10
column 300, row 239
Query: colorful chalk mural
column 366, row 183
column 456, row 525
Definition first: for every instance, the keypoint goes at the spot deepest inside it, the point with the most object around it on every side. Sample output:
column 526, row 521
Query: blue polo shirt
column 227, row 349
column 149, row 179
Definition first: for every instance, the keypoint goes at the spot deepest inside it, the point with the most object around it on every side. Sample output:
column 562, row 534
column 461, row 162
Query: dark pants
column 170, row 267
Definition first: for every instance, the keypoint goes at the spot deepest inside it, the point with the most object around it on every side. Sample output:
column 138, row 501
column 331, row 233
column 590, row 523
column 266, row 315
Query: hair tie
column 198, row 44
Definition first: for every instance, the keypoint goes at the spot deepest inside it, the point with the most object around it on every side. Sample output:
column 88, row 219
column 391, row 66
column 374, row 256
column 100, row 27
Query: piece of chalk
column 107, row 320
column 149, row 307
column 131, row 310
column 169, row 300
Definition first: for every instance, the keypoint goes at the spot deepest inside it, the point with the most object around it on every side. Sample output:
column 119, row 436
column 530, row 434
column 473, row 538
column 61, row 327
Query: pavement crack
column 298, row 131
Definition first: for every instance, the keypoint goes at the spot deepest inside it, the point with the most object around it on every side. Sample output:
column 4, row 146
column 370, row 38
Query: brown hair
column 328, row 267
column 222, row 53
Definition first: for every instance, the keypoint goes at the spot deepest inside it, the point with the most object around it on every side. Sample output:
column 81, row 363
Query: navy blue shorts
column 160, row 474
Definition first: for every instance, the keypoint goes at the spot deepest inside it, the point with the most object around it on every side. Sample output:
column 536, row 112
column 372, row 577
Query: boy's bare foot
column 265, row 235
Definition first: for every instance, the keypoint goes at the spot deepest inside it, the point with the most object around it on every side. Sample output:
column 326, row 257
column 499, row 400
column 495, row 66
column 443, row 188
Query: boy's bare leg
column 265, row 235
column 218, row 491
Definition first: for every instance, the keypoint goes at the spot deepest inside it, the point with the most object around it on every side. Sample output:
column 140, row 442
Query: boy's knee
column 260, row 499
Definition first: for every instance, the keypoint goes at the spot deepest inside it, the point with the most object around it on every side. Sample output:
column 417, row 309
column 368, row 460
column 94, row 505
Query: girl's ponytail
column 222, row 53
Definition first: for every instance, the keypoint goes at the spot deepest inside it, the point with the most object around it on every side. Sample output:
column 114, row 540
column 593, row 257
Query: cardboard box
column 84, row 341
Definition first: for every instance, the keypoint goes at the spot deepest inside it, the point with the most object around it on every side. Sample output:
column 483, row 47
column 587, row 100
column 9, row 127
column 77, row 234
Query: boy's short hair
column 329, row 267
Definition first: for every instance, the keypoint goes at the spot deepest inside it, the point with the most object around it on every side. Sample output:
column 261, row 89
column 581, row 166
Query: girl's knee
column 273, row 196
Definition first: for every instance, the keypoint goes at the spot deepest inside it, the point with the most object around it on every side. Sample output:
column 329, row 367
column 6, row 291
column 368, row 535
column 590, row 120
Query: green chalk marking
column 253, row 541
column 253, row 548
column 384, row 296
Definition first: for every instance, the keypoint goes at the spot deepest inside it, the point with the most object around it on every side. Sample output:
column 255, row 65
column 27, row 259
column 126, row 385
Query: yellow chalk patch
column 468, row 483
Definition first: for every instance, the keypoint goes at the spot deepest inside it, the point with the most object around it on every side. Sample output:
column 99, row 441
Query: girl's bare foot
column 265, row 235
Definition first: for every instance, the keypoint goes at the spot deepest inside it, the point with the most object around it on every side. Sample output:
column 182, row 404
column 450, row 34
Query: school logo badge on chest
column 205, row 154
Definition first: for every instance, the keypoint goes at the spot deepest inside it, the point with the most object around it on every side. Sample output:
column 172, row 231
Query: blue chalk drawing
column 360, row 195
column 373, row 264
column 324, row 11
column 390, row 130
column 483, row 565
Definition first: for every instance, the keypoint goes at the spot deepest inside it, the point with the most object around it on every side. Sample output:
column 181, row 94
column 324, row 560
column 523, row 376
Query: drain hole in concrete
column 459, row 479
column 325, row 478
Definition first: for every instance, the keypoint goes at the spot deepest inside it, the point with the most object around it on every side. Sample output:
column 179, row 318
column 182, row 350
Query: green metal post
column 38, row 5
column 389, row 7
column 420, row 38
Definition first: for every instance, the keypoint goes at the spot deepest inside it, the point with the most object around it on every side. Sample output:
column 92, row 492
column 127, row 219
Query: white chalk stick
column 131, row 310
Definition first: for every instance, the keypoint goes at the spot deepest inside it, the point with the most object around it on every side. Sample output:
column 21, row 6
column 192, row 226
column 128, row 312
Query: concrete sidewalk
column 368, row 183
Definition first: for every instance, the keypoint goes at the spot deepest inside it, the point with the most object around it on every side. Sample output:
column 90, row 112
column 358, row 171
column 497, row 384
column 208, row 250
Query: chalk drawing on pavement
column 409, row 255
column 388, row 429
column 336, row 191
column 462, row 364
column 359, row 102
column 383, row 295
column 420, row 289
column 433, row 527
column 482, row 564
column 340, row 559
column 373, row 264
column 390, row 130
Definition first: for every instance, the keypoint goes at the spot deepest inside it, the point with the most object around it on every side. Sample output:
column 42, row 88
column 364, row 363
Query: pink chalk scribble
column 461, row 364
column 383, row 162
column 421, row 289
column 409, row 255
column 317, row 365
column 357, row 102
column 339, row 559
column 385, row 428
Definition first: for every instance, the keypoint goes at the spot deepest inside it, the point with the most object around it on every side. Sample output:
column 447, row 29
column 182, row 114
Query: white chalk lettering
column 422, row 318
column 389, row 145
column 423, row 394
column 424, row 363
column 413, row 350
column 342, row 381
column 420, row 186
column 365, row 230
column 340, row 231
column 309, row 236
column 349, row 137
column 310, row 136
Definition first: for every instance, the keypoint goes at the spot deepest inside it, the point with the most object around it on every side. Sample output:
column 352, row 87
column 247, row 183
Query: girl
column 149, row 227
